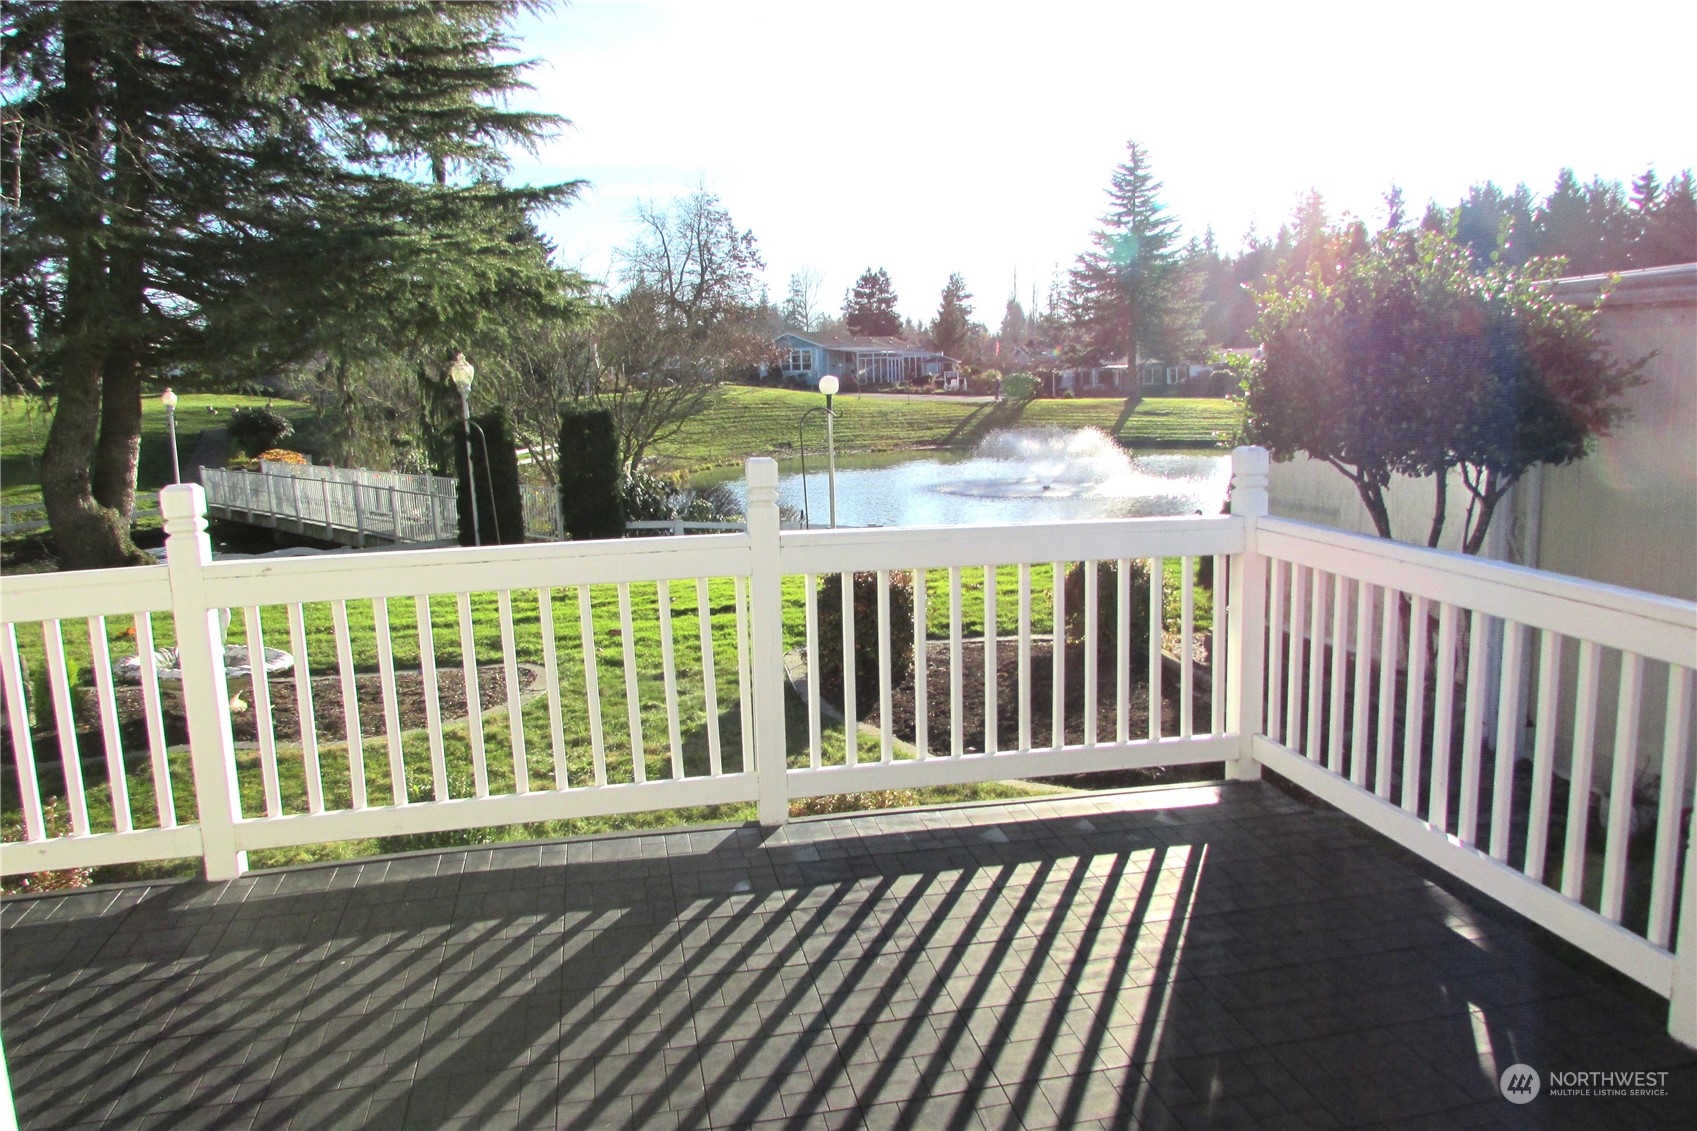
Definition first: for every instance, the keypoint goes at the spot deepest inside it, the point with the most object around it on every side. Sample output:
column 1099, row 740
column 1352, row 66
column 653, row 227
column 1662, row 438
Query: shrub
column 830, row 660
column 853, row 802
column 255, row 429
column 500, row 509
column 590, row 502
column 1107, row 609
column 1019, row 387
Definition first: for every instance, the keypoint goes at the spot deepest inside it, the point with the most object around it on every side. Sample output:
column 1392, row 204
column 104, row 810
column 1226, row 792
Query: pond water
column 1021, row 475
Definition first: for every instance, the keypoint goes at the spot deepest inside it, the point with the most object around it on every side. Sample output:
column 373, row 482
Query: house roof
column 837, row 340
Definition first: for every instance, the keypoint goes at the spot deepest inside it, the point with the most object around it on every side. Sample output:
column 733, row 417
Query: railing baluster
column 100, row 655
column 303, row 704
column 633, row 697
column 745, row 704
column 1664, row 871
column 992, row 608
column 1157, row 626
column 1511, row 705
column 815, row 754
column 885, row 741
column 592, row 681
column 551, row 675
column 1091, row 585
column 669, row 674
column 1473, row 727
column 1293, row 657
column 350, row 704
column 1187, row 646
column 710, row 679
column 1625, row 764
column 163, row 792
column 1311, row 743
column 851, row 713
column 1217, row 644
column 1443, row 713
column 515, row 695
column 64, row 717
column 432, row 698
column 1058, row 656
column 23, row 751
column 1390, row 629
column 1415, row 716
column 1024, row 658
column 921, row 664
column 957, row 676
column 391, row 699
column 1364, row 594
column 262, row 719
column 1548, row 684
column 1122, row 651
column 473, row 696
column 1339, row 612
column 1277, row 630
column 1579, row 778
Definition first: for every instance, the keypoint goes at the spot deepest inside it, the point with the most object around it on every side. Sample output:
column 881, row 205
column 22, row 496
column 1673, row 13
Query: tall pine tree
column 871, row 308
column 950, row 330
column 1129, row 293
column 189, row 178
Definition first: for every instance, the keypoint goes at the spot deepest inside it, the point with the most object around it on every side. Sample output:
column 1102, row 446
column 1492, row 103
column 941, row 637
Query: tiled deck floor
column 1188, row 957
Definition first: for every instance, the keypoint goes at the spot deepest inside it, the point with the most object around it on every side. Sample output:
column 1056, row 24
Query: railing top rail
column 829, row 551
column 1662, row 628
column 397, row 573
column 77, row 594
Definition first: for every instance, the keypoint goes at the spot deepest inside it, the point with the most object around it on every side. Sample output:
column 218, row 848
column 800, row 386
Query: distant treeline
column 1597, row 227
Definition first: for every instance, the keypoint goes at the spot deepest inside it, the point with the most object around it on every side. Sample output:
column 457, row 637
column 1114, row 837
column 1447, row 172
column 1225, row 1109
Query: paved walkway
column 1203, row 956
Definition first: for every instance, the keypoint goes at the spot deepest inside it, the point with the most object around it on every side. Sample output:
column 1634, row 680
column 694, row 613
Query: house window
column 799, row 361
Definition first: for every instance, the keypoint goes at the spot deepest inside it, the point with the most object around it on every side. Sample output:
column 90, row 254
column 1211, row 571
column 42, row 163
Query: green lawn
column 746, row 421
column 24, row 423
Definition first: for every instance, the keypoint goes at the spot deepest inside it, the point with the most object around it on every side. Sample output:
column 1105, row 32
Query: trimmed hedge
column 591, row 503
column 830, row 607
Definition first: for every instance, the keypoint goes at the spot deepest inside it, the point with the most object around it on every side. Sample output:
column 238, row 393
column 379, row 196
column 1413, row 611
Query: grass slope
column 747, row 421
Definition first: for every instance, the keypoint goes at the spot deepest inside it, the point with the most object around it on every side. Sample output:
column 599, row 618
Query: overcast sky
column 928, row 137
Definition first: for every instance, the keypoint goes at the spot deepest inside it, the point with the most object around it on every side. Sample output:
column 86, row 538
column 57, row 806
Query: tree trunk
column 1440, row 507
column 87, row 534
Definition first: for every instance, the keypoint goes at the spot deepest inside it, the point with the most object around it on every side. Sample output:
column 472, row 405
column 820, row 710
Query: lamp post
column 828, row 386
column 460, row 372
column 169, row 400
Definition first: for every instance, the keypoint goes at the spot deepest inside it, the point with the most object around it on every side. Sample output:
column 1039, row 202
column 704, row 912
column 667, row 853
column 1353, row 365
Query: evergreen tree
column 179, row 176
column 1129, row 293
column 1670, row 230
column 870, row 311
column 949, row 331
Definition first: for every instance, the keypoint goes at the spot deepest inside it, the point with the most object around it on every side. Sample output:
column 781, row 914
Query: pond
column 1020, row 475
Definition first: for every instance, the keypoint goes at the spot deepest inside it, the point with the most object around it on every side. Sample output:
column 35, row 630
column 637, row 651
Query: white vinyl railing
column 461, row 687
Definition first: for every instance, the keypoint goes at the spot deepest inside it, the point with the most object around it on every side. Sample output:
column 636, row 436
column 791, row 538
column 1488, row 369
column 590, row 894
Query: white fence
column 336, row 504
column 607, row 677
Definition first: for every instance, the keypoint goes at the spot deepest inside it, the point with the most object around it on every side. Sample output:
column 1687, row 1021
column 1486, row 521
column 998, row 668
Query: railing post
column 1682, row 1002
column 766, row 631
column 1246, row 614
column 200, row 658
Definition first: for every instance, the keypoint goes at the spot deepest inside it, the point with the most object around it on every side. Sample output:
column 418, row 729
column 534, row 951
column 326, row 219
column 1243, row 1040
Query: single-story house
column 876, row 361
column 1150, row 374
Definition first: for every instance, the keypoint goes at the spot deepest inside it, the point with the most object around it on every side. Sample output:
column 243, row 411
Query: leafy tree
column 870, row 311
column 952, row 326
column 1130, row 294
column 1404, row 356
column 179, row 175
